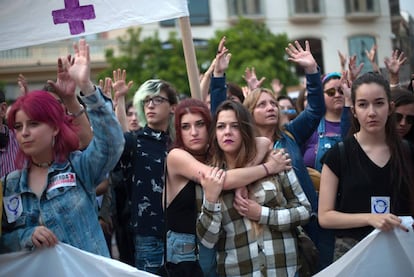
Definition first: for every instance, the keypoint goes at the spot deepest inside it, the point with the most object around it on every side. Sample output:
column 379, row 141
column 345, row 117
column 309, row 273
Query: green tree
column 149, row 58
column 253, row 45
column 250, row 42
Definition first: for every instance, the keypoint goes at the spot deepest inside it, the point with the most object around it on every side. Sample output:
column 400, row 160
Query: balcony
column 362, row 10
column 306, row 11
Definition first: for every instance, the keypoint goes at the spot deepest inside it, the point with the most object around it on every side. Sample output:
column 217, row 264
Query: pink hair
column 43, row 107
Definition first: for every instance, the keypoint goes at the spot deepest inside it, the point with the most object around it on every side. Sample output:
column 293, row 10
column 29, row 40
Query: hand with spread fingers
column 302, row 57
column 251, row 79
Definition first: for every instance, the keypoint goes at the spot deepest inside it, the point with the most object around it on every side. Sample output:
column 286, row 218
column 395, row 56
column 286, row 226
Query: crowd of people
column 224, row 181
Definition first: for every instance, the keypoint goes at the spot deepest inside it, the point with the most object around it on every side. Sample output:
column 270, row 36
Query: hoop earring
column 53, row 141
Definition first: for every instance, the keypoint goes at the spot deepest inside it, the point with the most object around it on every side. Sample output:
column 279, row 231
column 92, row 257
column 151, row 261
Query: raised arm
column 315, row 109
column 218, row 80
column 107, row 144
column 65, row 88
column 393, row 65
column 371, row 55
column 121, row 88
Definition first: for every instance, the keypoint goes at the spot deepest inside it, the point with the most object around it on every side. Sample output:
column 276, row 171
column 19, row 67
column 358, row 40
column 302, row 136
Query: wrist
column 311, row 69
column 218, row 74
column 78, row 113
column 266, row 169
column 87, row 88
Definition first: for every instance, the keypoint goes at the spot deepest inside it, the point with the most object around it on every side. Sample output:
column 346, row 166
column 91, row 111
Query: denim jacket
column 67, row 205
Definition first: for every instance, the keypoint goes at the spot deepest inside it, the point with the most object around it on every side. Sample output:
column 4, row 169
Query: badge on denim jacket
column 13, row 207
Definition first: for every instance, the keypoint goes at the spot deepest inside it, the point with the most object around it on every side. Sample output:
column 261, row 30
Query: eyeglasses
column 156, row 100
column 409, row 119
column 332, row 91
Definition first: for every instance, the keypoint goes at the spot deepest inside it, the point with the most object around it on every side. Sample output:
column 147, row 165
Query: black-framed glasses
column 156, row 100
column 332, row 91
column 409, row 119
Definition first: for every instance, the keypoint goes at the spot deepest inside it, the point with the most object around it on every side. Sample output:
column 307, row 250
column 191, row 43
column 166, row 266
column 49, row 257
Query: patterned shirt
column 264, row 248
column 144, row 154
column 8, row 155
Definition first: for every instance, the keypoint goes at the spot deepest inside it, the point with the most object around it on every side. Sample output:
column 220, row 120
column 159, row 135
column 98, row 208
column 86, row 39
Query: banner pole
column 190, row 57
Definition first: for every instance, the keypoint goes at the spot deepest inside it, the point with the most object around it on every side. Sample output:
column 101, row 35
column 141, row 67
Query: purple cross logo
column 74, row 14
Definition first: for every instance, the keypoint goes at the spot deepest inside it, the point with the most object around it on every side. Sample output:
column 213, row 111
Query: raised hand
column 354, row 70
column 251, row 79
column 342, row 59
column 119, row 84
column 80, row 69
column 346, row 85
column 106, row 86
column 22, row 83
column 223, row 58
column 371, row 54
column 277, row 86
column 394, row 63
column 64, row 86
column 302, row 57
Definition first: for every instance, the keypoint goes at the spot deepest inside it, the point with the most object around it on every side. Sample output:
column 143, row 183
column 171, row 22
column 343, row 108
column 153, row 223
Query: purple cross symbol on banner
column 74, row 14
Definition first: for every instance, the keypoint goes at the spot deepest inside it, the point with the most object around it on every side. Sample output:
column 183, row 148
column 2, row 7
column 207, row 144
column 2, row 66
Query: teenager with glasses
column 368, row 183
column 143, row 160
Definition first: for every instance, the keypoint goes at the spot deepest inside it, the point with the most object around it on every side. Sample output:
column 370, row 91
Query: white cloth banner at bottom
column 378, row 254
column 64, row 260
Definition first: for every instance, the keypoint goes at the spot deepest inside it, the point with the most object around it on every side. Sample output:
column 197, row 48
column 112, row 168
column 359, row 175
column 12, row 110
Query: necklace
column 43, row 165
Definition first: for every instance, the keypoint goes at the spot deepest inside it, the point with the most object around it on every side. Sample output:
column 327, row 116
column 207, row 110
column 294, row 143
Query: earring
column 53, row 141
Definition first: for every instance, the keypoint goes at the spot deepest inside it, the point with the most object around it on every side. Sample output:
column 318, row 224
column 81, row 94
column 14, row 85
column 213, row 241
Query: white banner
column 31, row 22
column 64, row 260
column 380, row 254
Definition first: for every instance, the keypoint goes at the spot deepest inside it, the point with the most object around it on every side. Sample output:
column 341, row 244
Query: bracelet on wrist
column 79, row 113
column 397, row 85
column 267, row 170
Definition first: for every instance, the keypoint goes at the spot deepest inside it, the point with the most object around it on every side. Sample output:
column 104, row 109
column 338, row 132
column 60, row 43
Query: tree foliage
column 250, row 42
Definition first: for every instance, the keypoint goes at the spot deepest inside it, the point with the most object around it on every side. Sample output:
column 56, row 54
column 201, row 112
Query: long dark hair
column 401, row 175
column 248, row 148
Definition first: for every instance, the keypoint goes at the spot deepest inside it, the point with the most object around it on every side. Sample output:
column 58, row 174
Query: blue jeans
column 180, row 247
column 208, row 260
column 149, row 253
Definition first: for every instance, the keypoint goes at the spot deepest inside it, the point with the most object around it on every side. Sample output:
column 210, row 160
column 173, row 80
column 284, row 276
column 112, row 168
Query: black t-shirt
column 361, row 180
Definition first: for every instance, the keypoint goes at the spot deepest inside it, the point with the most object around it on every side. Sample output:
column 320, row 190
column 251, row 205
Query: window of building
column 358, row 45
column 245, row 8
column 362, row 6
column 199, row 14
column 306, row 7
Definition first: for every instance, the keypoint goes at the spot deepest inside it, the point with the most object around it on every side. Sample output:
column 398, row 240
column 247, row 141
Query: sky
column 407, row 5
